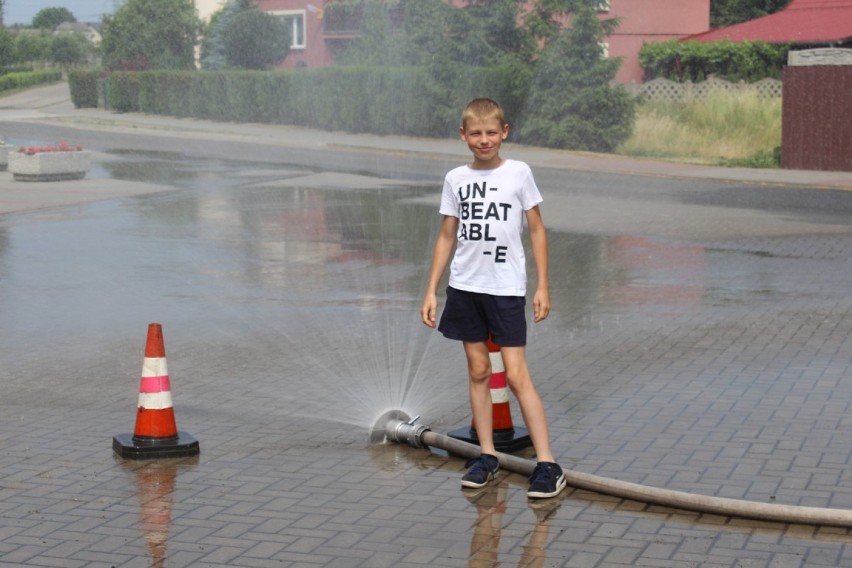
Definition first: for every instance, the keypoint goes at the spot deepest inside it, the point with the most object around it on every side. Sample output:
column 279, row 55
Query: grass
column 730, row 129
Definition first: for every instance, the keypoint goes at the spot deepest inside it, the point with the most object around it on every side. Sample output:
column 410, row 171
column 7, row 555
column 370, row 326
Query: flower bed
column 49, row 163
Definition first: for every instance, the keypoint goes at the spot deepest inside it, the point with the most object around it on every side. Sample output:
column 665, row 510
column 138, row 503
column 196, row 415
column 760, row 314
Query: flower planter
column 50, row 166
column 5, row 150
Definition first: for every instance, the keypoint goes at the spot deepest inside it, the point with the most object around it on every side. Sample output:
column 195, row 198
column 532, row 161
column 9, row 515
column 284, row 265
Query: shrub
column 695, row 61
column 83, row 86
column 123, row 91
column 12, row 81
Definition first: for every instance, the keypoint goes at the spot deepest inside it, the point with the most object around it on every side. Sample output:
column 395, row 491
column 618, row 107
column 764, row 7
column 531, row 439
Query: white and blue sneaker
column 482, row 470
column 546, row 481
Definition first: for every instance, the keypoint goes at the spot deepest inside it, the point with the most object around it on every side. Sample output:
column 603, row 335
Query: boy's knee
column 479, row 375
column 518, row 381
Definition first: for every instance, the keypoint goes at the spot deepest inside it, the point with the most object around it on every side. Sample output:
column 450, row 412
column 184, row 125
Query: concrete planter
column 5, row 149
column 49, row 166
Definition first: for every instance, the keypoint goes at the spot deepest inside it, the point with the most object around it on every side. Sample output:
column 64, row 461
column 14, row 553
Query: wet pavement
column 700, row 342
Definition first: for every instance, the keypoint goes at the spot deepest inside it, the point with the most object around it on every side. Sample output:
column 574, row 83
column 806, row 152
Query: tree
column 151, row 34
column 426, row 31
column 50, row 18
column 31, row 47
column 572, row 104
column 240, row 35
column 213, row 54
column 377, row 42
column 68, row 49
column 8, row 53
column 255, row 40
column 729, row 12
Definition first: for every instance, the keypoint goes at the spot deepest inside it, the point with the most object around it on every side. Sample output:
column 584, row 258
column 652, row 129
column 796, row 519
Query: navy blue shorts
column 471, row 316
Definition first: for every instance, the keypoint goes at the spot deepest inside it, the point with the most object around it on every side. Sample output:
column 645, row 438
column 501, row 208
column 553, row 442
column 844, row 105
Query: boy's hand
column 428, row 309
column 541, row 305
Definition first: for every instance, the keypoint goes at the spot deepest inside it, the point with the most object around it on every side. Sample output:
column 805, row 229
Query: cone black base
column 127, row 446
column 506, row 441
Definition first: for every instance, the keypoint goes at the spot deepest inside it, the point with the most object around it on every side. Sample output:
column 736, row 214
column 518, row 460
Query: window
column 602, row 6
column 295, row 21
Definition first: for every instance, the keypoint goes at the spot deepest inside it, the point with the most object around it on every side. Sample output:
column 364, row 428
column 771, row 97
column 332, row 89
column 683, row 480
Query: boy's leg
column 483, row 468
column 547, row 479
column 520, row 382
column 479, row 373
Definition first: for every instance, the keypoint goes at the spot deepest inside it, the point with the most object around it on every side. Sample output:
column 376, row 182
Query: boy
column 484, row 204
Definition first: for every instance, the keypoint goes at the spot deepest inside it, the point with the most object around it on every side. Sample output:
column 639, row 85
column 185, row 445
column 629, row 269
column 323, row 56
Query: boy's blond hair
column 483, row 109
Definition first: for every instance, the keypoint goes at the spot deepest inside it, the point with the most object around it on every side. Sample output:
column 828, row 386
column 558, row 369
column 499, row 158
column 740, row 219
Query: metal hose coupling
column 397, row 426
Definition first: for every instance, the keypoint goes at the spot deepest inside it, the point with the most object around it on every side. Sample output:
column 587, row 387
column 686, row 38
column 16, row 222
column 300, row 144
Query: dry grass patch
column 723, row 128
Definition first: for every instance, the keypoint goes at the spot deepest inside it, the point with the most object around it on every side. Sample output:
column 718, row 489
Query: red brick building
column 642, row 21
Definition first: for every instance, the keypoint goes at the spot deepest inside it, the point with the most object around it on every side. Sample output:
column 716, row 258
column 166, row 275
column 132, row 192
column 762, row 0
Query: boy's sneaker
column 482, row 470
column 546, row 481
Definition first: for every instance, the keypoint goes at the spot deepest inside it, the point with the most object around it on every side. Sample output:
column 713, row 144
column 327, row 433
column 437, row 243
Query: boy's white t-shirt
column 490, row 206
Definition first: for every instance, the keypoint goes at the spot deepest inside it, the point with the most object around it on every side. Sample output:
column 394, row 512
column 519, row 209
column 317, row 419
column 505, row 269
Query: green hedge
column 23, row 80
column 695, row 61
column 352, row 99
column 404, row 101
column 83, row 86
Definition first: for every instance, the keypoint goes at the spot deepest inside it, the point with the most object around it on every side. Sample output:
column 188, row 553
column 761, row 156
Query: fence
column 672, row 91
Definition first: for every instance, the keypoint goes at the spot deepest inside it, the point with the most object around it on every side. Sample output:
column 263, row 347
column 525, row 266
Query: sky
column 22, row 11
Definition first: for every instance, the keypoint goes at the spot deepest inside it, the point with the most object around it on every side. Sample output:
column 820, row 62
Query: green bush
column 353, row 99
column 12, row 81
column 83, row 86
column 123, row 91
column 7, row 70
column 383, row 100
column 695, row 61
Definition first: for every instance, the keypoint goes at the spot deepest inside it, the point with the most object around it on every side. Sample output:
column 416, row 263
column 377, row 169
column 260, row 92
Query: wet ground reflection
column 156, row 482
column 290, row 298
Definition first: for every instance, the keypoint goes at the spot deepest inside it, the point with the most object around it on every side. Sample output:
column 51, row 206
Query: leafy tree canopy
column 240, row 35
column 50, row 18
column 68, row 49
column 7, row 47
column 31, row 48
column 151, row 34
column 255, row 40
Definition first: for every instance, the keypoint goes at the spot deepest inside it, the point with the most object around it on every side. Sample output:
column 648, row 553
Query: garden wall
column 816, row 128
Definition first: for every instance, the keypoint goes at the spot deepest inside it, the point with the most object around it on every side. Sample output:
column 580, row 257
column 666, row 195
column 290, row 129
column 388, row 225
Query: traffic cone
column 156, row 434
column 507, row 438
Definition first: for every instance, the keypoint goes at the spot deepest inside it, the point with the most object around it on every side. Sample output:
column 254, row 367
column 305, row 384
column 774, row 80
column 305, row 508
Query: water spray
column 396, row 426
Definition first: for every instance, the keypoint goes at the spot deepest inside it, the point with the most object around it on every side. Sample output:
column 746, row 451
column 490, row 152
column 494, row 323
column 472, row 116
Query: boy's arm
column 538, row 239
column 440, row 257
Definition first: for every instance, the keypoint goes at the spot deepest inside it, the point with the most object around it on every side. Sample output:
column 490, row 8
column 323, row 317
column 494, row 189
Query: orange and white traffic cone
column 507, row 438
column 156, row 434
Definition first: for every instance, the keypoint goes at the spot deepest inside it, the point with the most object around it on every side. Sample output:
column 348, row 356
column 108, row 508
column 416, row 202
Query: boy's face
column 484, row 138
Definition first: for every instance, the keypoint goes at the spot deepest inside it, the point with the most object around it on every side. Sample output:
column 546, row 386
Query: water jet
column 397, row 427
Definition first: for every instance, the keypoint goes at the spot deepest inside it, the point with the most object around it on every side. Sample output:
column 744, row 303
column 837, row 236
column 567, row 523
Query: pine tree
column 573, row 103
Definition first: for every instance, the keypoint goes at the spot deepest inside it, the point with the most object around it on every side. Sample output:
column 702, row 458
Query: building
column 649, row 21
column 91, row 32
column 315, row 39
column 803, row 23
column 207, row 8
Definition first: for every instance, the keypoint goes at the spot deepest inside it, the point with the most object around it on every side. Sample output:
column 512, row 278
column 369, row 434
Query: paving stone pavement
column 706, row 350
